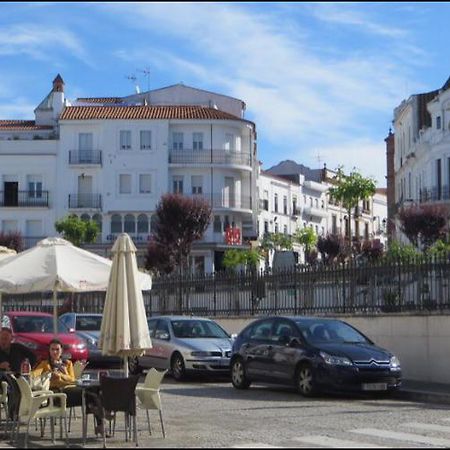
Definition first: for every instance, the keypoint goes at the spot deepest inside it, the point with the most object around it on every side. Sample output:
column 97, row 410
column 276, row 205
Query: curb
column 423, row 396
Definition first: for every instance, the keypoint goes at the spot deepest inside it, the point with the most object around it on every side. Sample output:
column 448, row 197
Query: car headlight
column 91, row 343
column 80, row 346
column 335, row 360
column 394, row 363
column 201, row 353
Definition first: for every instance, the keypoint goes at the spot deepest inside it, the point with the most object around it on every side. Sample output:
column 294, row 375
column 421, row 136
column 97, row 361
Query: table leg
column 83, row 414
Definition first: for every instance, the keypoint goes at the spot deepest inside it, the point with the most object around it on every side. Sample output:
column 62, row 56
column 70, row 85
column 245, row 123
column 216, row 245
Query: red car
column 35, row 331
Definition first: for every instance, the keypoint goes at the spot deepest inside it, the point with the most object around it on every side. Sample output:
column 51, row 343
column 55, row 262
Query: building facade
column 419, row 152
column 111, row 159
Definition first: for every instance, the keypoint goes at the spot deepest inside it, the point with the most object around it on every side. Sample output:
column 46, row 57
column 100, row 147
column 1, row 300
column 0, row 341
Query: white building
column 111, row 159
column 422, row 150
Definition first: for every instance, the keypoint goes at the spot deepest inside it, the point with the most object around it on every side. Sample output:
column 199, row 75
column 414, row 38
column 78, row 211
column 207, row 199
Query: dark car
column 312, row 354
column 87, row 327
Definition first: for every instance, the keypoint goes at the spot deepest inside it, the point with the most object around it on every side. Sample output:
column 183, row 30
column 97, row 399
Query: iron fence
column 353, row 288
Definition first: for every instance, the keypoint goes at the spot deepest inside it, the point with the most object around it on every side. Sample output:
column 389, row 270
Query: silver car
column 185, row 344
column 87, row 326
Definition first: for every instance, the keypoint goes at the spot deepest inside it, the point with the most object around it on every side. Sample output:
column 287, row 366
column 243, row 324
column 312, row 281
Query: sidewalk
column 422, row 391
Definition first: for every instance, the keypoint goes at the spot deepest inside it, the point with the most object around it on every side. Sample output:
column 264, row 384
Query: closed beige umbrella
column 124, row 331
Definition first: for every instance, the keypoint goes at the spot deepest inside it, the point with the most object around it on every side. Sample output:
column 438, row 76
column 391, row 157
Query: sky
column 319, row 79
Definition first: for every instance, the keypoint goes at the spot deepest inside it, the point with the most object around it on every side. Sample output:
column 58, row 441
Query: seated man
column 12, row 354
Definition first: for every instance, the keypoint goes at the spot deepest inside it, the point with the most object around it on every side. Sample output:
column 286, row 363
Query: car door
column 162, row 344
column 282, row 356
column 256, row 350
column 149, row 359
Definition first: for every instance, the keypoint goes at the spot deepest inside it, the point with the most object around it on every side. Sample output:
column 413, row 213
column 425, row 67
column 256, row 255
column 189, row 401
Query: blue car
column 313, row 354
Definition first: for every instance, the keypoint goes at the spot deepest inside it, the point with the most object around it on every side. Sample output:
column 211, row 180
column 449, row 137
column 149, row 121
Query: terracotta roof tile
column 145, row 113
column 21, row 125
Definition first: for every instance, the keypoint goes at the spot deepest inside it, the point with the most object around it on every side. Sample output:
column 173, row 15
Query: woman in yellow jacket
column 63, row 378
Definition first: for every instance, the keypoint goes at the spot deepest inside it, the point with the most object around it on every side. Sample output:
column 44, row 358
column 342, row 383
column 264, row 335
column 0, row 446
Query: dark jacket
column 17, row 353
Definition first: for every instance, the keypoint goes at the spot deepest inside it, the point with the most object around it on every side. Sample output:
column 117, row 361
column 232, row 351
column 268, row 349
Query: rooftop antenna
column 319, row 158
column 132, row 78
column 146, row 72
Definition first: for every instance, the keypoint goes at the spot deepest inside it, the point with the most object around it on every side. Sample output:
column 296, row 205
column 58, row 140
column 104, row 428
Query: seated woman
column 63, row 379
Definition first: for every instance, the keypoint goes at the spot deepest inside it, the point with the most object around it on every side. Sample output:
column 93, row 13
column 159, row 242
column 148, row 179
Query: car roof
column 180, row 318
column 27, row 313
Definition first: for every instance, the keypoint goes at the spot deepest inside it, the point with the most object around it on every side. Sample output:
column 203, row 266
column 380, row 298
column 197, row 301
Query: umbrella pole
column 55, row 312
column 125, row 366
column 1, row 307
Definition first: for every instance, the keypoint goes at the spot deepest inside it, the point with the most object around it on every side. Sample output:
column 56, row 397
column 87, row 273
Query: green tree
column 306, row 237
column 76, row 230
column 235, row 257
column 350, row 190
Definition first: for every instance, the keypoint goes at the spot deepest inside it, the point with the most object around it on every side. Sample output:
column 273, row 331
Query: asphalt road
column 211, row 413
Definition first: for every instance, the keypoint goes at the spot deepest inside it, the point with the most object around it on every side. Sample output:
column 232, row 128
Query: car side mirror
column 294, row 342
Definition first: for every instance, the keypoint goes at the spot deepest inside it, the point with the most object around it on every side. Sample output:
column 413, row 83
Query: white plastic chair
column 4, row 404
column 149, row 396
column 39, row 405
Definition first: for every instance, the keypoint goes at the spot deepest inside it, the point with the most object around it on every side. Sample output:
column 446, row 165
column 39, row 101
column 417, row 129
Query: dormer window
column 438, row 122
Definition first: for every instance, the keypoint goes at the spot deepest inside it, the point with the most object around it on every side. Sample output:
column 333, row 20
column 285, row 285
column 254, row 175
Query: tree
column 308, row 239
column 330, row 247
column 180, row 221
column 236, row 257
column 12, row 240
column 424, row 224
column 76, row 230
column 350, row 190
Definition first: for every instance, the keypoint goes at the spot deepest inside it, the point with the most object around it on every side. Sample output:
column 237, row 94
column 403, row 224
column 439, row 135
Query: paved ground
column 211, row 413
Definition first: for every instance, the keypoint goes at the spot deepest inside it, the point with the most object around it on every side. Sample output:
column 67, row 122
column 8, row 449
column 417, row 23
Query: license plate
column 374, row 387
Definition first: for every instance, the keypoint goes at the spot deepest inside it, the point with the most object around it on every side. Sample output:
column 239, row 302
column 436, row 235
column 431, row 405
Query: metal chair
column 149, row 395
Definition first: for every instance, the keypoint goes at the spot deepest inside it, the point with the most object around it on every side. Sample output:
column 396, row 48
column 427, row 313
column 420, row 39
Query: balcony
column 225, row 157
column 315, row 212
column 435, row 194
column 220, row 200
column 85, row 157
column 24, row 199
column 85, row 201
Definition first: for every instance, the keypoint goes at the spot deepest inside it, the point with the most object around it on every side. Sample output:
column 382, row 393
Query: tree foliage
column 180, row 222
column 12, row 240
column 330, row 247
column 276, row 241
column 351, row 189
column 76, row 230
column 306, row 237
column 424, row 224
column 236, row 257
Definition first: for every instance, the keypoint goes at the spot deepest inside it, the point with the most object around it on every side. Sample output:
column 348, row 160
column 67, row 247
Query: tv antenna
column 133, row 78
column 146, row 73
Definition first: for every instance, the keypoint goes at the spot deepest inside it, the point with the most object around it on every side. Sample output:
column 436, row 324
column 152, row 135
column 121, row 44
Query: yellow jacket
column 58, row 380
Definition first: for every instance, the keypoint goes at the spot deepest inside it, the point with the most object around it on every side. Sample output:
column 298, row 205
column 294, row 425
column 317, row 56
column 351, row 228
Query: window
column 177, row 141
column 262, row 331
column 124, row 184
column 266, row 227
column 177, row 183
column 276, row 228
column 217, row 225
column 229, row 142
column 438, row 122
column 146, row 139
column 142, row 224
column 197, row 184
column 316, row 203
column 145, row 183
column 198, row 264
column 33, row 228
column 197, row 141
column 294, row 205
column 85, row 141
column 334, row 224
column 34, row 186
column 125, row 139
column 129, row 224
column 116, row 223
column 9, row 226
column 285, row 229
column 275, row 200
column 285, row 205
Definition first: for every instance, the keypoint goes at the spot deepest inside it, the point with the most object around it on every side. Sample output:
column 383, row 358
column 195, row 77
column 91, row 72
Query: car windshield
column 36, row 324
column 197, row 329
column 88, row 323
column 329, row 331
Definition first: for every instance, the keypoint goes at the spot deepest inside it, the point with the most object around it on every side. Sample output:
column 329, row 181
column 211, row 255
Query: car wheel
column 305, row 380
column 238, row 375
column 177, row 367
column 133, row 366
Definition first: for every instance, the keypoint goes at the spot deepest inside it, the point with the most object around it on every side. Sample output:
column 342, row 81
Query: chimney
column 58, row 84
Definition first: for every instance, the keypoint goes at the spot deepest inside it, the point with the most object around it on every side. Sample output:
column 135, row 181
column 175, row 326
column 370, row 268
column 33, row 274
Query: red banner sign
column 233, row 236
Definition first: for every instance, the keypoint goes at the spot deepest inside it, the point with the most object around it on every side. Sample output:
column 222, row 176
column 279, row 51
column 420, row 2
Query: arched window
column 130, row 224
column 142, row 224
column 153, row 222
column 116, row 223
column 85, row 217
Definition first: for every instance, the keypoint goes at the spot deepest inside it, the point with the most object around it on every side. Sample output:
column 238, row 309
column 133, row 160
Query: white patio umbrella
column 56, row 265
column 124, row 330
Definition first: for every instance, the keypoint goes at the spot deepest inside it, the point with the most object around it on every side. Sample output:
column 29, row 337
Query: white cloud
column 41, row 43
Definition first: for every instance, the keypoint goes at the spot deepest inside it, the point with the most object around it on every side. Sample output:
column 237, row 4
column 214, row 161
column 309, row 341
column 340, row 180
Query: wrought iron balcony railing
column 435, row 194
column 214, row 156
column 24, row 199
column 80, row 201
column 85, row 157
column 220, row 200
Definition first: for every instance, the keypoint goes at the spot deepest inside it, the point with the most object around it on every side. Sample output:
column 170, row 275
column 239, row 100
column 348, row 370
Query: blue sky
column 320, row 80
